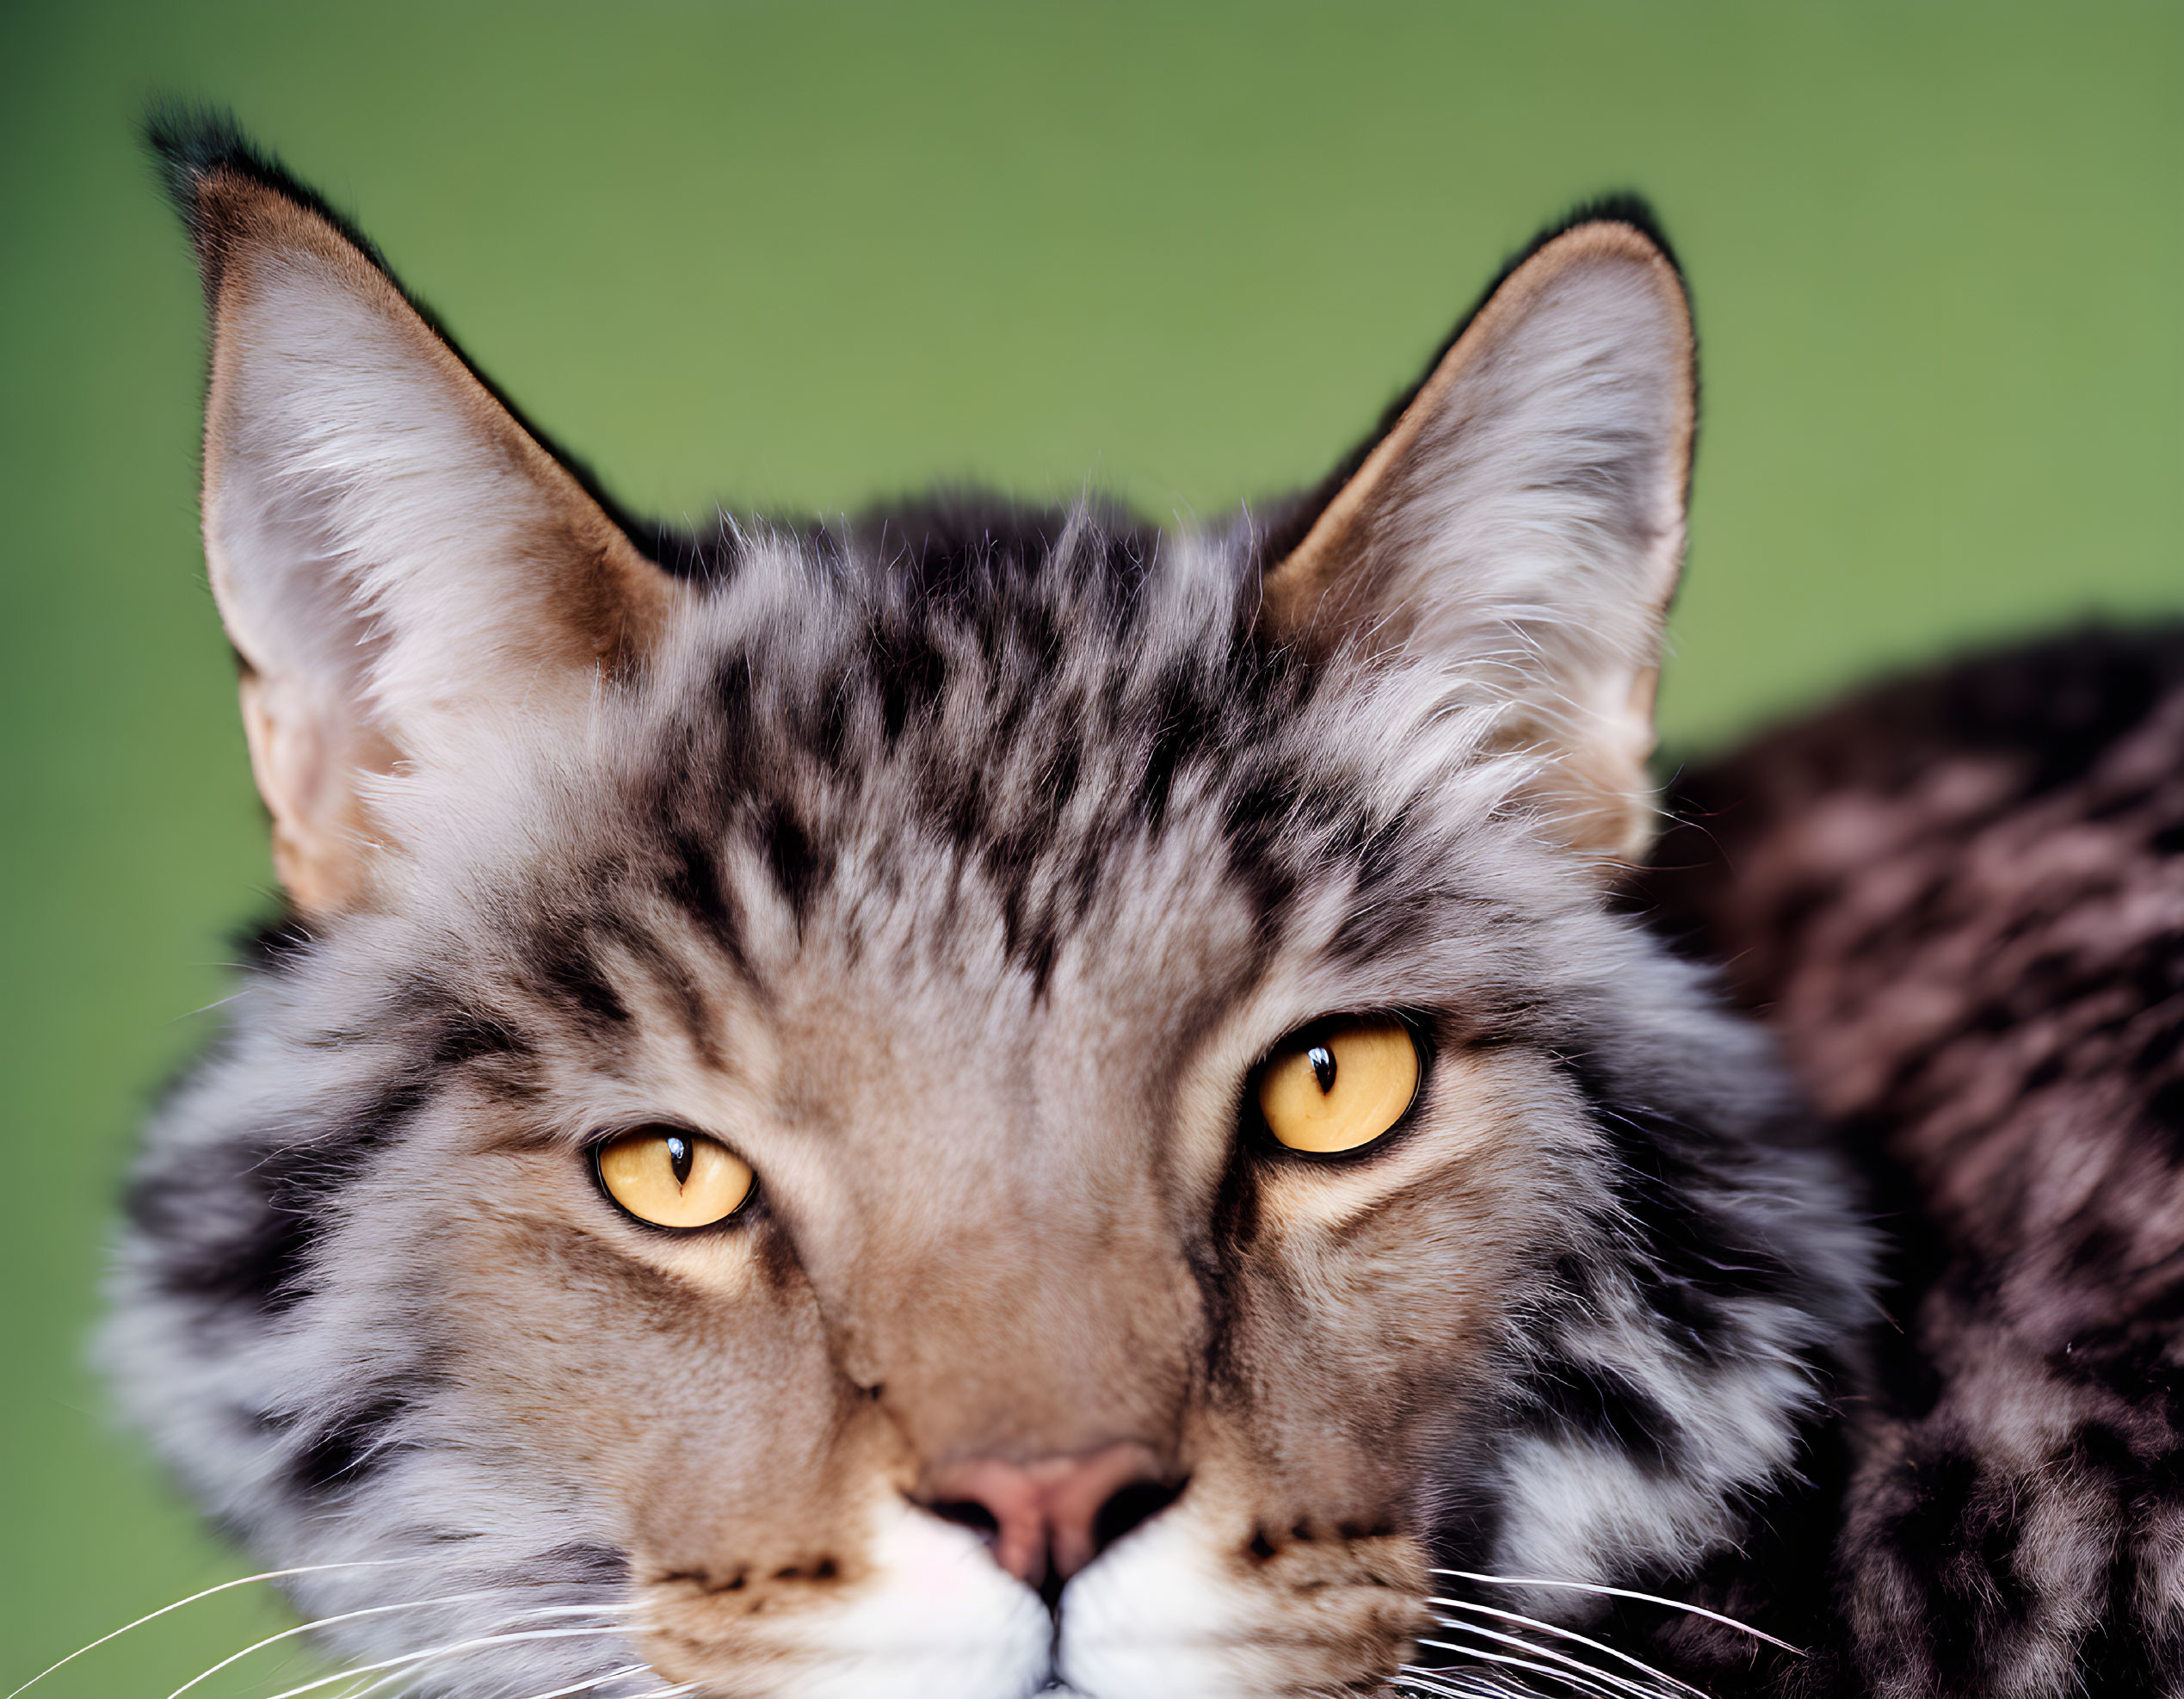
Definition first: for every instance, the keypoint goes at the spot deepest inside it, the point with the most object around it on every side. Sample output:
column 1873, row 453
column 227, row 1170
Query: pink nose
column 1053, row 1513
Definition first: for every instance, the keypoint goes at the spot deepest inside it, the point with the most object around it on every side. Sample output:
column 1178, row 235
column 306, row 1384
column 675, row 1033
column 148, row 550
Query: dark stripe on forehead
column 692, row 879
column 1210, row 711
column 575, row 958
column 563, row 965
column 1004, row 687
column 1399, row 876
column 962, row 550
column 907, row 670
column 465, row 1035
column 798, row 865
column 1178, row 715
column 672, row 976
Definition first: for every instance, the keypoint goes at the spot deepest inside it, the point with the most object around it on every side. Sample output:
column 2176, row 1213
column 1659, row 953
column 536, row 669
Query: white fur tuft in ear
column 1521, row 523
column 398, row 561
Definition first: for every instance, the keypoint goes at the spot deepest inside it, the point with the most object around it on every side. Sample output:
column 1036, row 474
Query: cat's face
column 984, row 1025
column 950, row 1105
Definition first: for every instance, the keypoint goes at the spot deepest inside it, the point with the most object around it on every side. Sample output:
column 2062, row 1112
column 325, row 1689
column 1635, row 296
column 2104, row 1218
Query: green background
column 802, row 257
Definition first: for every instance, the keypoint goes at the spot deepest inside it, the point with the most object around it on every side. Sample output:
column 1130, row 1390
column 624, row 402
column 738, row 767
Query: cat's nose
column 1049, row 1517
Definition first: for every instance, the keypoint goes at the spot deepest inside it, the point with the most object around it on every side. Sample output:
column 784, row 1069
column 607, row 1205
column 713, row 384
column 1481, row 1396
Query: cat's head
column 937, row 1103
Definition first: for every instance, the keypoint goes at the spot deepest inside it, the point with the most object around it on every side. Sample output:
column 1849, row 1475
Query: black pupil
column 681, row 1154
column 1323, row 1061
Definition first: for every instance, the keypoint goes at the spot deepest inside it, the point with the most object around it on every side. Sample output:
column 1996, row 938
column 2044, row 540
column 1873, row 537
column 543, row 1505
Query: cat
column 970, row 1098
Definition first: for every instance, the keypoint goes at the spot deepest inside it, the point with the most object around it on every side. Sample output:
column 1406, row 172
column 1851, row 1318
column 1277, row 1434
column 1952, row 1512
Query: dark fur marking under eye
column 345, row 1453
column 1695, row 1254
column 773, row 1252
column 1598, row 1402
column 237, row 1226
column 581, row 1562
column 1217, row 1261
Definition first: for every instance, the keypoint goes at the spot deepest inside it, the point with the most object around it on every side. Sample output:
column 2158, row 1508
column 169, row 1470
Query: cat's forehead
column 1053, row 778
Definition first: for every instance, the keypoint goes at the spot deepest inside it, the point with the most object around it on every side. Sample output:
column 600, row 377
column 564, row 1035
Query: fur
column 956, row 867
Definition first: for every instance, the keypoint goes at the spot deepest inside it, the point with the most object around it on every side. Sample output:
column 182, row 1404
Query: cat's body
column 961, row 881
column 1960, row 900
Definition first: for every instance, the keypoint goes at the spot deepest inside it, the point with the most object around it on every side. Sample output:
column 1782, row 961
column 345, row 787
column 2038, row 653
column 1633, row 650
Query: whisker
column 1476, row 1684
column 626, row 1671
column 1624, row 1592
column 1578, row 1683
column 622, row 1674
column 1491, row 1682
column 1619, row 1683
column 382, row 1610
column 1520, row 1618
column 322, row 1622
column 411, row 1659
column 597, row 1681
column 1405, row 1678
column 412, row 1665
column 224, row 1586
column 1426, row 1684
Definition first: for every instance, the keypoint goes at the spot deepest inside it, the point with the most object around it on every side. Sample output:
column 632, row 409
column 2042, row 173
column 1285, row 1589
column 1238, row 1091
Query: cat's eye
column 671, row 1178
column 1338, row 1085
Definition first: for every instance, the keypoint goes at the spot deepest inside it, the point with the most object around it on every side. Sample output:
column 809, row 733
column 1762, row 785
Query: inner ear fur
column 400, row 565
column 1520, row 522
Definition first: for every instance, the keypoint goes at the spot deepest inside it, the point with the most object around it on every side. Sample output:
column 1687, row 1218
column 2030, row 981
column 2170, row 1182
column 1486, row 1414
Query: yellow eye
column 1339, row 1085
column 673, row 1178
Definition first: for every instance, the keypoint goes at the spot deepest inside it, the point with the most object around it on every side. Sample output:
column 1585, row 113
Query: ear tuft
column 1519, row 520
column 1293, row 518
column 198, row 148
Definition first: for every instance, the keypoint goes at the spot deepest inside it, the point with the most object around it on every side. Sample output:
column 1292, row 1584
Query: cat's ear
column 1520, row 520
column 400, row 565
